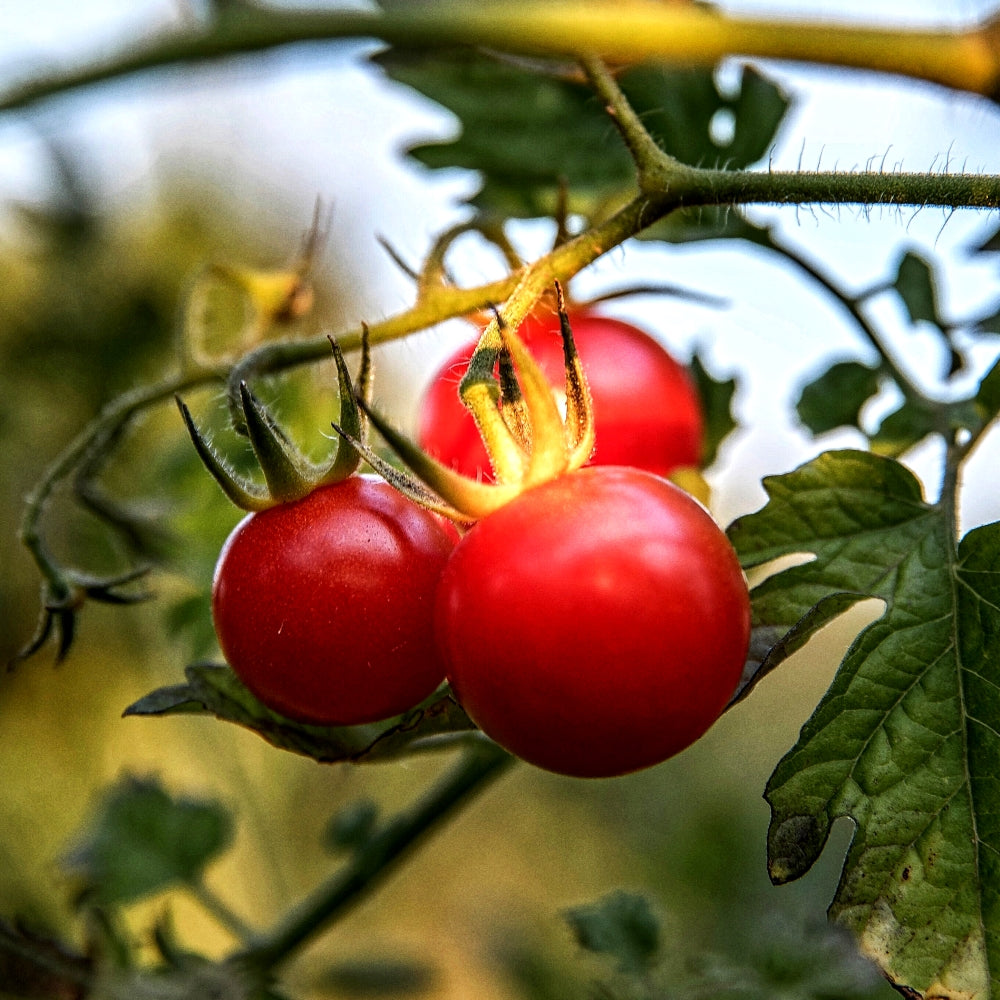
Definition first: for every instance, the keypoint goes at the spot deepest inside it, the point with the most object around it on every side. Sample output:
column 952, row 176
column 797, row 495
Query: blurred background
column 113, row 200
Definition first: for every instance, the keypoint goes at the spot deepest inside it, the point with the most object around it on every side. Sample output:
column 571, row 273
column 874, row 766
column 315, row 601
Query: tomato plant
column 646, row 408
column 323, row 606
column 595, row 625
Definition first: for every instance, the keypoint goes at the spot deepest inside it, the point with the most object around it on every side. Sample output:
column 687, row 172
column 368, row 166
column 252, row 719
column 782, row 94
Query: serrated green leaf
column 621, row 925
column 905, row 742
column 836, row 397
column 215, row 690
column 717, row 407
column 142, row 840
column 529, row 128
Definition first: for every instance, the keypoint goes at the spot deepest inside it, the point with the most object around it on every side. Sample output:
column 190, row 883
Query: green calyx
column 527, row 439
column 288, row 475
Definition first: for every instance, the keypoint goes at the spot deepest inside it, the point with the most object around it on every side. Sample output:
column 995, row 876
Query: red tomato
column 324, row 607
column 595, row 625
column 646, row 409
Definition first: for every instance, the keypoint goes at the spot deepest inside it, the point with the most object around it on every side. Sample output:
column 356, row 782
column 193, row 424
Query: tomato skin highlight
column 323, row 607
column 646, row 408
column 597, row 624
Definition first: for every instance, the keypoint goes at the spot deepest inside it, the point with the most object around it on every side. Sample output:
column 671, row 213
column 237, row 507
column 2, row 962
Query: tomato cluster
column 595, row 624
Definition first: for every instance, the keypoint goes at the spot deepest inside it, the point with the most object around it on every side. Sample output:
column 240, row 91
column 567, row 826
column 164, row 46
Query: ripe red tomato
column 595, row 625
column 324, row 607
column 646, row 409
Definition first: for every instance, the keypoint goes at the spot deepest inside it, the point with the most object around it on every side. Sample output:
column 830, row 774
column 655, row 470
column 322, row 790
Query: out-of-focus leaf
column 905, row 742
column 717, row 407
column 916, row 284
column 215, row 690
column 836, row 397
column 917, row 287
column 621, row 925
column 530, row 129
column 352, row 826
column 905, row 427
column 143, row 840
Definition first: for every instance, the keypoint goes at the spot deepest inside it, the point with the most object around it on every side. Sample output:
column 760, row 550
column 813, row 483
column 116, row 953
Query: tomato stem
column 482, row 763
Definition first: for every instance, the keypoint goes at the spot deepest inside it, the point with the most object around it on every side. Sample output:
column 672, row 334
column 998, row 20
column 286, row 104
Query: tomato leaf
column 717, row 408
column 621, row 925
column 215, row 690
column 529, row 128
column 836, row 397
column 141, row 840
column 905, row 742
column 916, row 284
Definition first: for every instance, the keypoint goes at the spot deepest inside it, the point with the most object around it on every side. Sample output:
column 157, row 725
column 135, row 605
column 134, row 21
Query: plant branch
column 378, row 856
column 870, row 332
column 652, row 163
column 965, row 60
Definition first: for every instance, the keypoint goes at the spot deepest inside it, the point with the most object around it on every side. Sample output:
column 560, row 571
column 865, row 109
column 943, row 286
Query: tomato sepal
column 288, row 475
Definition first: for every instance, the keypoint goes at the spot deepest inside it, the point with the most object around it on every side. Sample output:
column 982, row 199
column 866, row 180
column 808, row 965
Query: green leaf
column 215, row 690
column 529, row 128
column 905, row 742
column 717, row 406
column 142, row 841
column 836, row 397
column 916, row 284
column 903, row 428
column 917, row 287
column 621, row 925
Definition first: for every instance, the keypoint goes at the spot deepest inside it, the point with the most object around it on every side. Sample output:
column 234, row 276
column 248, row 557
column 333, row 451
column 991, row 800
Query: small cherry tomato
column 323, row 607
column 595, row 625
column 647, row 412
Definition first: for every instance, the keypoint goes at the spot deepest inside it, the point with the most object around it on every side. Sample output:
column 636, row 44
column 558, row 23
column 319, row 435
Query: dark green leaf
column 835, row 398
column 622, row 926
column 529, row 128
column 216, row 690
column 681, row 108
column 717, row 406
column 916, row 285
column 905, row 742
column 903, row 428
column 142, row 840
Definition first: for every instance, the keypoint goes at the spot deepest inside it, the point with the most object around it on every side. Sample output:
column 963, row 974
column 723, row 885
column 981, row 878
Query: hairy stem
column 621, row 33
column 379, row 855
